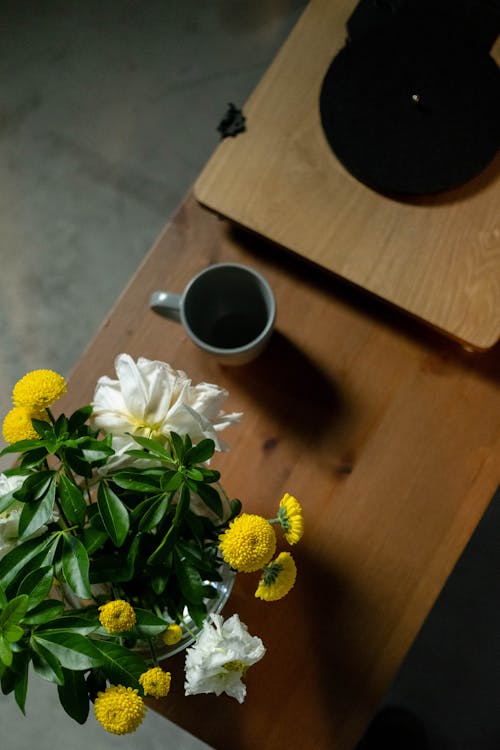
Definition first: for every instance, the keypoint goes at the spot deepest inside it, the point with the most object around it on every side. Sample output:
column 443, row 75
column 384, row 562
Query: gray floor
column 108, row 111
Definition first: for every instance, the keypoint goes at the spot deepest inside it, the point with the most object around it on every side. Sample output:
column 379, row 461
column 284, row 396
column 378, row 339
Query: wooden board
column 387, row 432
column 437, row 258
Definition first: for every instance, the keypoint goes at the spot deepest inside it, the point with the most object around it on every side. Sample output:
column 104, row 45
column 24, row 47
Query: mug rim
column 271, row 317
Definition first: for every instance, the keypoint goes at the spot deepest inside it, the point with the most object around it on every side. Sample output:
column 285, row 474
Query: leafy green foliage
column 84, row 523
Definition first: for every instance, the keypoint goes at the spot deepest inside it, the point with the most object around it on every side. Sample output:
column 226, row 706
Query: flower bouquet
column 117, row 541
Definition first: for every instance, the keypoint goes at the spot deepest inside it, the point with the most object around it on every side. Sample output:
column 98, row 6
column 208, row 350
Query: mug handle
column 166, row 304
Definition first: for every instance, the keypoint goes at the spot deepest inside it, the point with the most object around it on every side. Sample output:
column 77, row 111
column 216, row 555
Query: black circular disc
column 412, row 113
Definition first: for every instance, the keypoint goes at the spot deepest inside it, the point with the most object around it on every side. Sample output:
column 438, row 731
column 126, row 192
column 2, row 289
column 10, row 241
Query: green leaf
column 94, row 450
column 201, row 452
column 137, row 513
column 8, row 679
column 136, row 453
column 121, row 666
column 43, row 428
column 149, row 624
column 15, row 560
column 182, row 505
column 34, row 486
column 20, row 446
column 190, row 483
column 189, row 579
column 194, row 474
column 197, row 612
column 34, row 457
column 164, row 547
column 172, row 482
column 5, row 652
column 78, row 418
column 96, row 682
column 84, row 624
column 130, row 481
column 73, row 695
column 155, row 513
column 61, row 426
column 35, row 514
column 21, row 684
column 13, row 633
column 45, row 612
column 178, row 447
column 6, row 501
column 132, row 555
column 46, row 664
column 236, row 507
column 159, row 581
column 211, row 498
column 154, row 447
column 209, row 475
column 194, row 556
column 41, row 560
column 74, row 651
column 73, row 504
column 116, row 567
column 113, row 513
column 3, row 598
column 37, row 585
column 196, row 526
column 75, row 565
column 109, row 569
column 14, row 611
column 93, row 539
column 78, row 462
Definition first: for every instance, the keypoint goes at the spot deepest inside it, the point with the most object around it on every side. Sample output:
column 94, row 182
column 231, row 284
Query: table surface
column 436, row 257
column 388, row 433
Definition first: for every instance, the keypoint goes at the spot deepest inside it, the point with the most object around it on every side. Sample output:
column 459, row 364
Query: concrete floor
column 108, row 111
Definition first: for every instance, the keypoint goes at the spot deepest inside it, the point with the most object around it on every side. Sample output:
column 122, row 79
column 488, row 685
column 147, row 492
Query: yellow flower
column 248, row 543
column 17, row 424
column 291, row 518
column 119, row 709
column 39, row 389
column 278, row 578
column 172, row 635
column 155, row 682
column 117, row 616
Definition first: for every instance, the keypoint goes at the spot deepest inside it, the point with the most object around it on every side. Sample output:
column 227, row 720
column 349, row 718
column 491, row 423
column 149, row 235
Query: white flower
column 9, row 519
column 151, row 399
column 220, row 658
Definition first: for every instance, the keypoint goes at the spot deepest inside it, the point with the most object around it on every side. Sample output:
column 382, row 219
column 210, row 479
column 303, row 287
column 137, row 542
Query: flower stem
column 154, row 655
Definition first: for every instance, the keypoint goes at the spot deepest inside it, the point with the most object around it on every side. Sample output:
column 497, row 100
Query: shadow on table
column 292, row 389
column 339, row 653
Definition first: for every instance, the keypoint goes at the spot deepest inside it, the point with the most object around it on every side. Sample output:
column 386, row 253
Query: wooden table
column 388, row 433
column 435, row 257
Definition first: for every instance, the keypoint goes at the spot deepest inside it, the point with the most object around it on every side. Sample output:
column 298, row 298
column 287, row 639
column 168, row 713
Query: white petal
column 133, row 386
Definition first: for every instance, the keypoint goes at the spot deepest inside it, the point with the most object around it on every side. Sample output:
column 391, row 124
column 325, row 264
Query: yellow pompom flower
column 172, row 635
column 291, row 518
column 39, row 389
column 17, row 424
column 155, row 682
column 277, row 578
column 248, row 543
column 117, row 616
column 119, row 709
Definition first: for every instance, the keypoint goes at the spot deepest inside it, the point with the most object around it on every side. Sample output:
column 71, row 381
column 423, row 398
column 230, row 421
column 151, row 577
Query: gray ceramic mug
column 227, row 309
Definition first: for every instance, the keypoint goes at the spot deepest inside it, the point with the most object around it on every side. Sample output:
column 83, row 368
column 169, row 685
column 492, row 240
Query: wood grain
column 388, row 433
column 437, row 258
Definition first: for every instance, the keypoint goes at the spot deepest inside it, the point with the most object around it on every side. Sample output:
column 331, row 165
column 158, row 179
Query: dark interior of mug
column 227, row 307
